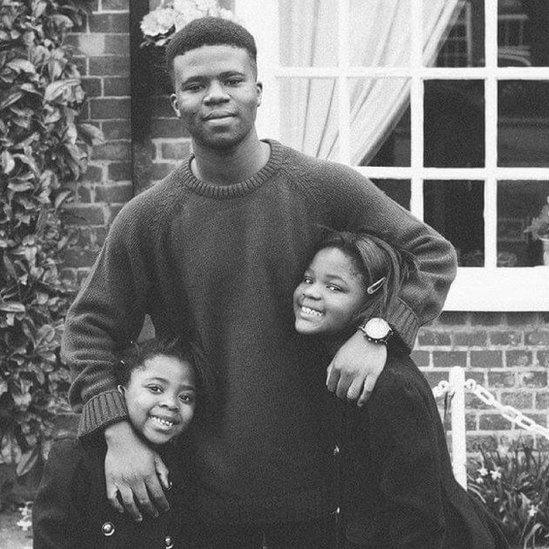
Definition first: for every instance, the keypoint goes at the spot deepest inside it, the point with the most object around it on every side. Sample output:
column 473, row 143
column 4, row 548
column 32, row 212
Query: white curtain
column 379, row 36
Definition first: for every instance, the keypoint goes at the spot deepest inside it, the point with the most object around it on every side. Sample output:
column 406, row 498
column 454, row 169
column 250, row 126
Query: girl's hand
column 133, row 469
column 354, row 370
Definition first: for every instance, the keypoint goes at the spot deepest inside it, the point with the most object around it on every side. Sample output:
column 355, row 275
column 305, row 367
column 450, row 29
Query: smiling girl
column 159, row 383
column 397, row 485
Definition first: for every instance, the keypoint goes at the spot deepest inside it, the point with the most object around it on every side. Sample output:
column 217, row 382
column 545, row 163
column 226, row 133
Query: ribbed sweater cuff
column 405, row 323
column 101, row 411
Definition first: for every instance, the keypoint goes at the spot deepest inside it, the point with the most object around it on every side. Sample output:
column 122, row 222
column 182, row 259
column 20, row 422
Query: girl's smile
column 330, row 294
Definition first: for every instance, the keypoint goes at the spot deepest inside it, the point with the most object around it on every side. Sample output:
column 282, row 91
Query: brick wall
column 508, row 353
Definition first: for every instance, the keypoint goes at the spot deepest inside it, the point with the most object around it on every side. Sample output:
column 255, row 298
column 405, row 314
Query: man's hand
column 133, row 469
column 355, row 368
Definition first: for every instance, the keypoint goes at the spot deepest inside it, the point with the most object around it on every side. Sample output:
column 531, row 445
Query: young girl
column 159, row 382
column 397, row 485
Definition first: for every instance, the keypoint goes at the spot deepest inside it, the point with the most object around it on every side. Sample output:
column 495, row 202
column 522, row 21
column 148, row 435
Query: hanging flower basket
column 539, row 229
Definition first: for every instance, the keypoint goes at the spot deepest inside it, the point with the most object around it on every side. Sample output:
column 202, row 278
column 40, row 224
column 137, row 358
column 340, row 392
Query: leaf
column 55, row 89
column 11, row 99
column 61, row 197
column 21, row 65
column 27, row 461
column 12, row 307
column 8, row 163
column 62, row 20
column 93, row 134
column 20, row 187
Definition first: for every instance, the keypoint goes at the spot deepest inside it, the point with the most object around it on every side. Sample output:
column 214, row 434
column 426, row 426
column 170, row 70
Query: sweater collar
column 276, row 159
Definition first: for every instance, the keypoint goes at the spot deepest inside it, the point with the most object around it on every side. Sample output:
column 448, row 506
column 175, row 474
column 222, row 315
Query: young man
column 213, row 253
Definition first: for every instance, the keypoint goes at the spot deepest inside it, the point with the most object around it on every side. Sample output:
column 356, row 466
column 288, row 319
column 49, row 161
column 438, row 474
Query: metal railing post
column 459, row 445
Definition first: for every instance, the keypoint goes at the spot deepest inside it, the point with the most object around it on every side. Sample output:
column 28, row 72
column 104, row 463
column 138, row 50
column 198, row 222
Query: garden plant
column 43, row 150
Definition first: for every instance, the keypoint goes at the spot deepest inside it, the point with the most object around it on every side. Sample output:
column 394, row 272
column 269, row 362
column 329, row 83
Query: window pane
column 397, row 189
column 308, row 33
column 380, row 134
column 464, row 43
column 523, row 205
column 454, row 123
column 523, row 123
column 456, row 210
column 379, row 33
column 308, row 116
column 523, row 33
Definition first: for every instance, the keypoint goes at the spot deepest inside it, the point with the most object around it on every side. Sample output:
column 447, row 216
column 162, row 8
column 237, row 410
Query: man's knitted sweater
column 219, row 264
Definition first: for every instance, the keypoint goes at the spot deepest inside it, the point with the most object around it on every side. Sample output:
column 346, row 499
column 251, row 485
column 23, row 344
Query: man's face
column 216, row 94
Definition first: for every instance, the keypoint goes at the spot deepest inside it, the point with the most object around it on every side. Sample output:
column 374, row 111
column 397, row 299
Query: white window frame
column 486, row 288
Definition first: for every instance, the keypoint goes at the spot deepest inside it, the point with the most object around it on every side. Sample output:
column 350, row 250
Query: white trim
column 500, row 289
column 500, row 174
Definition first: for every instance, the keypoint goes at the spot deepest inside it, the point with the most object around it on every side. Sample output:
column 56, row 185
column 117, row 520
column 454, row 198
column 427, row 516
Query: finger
column 162, row 472
column 367, row 389
column 141, row 495
column 343, row 386
column 328, row 372
column 333, row 378
column 355, row 389
column 112, row 496
column 157, row 495
column 129, row 504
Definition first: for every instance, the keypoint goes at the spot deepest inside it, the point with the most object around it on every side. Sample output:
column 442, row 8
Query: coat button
column 107, row 529
column 169, row 542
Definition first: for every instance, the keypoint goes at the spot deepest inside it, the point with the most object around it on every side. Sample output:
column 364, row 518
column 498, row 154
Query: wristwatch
column 376, row 330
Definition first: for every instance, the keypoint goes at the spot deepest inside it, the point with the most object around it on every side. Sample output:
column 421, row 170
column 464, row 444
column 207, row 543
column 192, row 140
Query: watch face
column 377, row 328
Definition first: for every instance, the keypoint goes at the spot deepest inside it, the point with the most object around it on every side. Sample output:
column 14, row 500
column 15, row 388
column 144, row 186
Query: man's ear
column 259, row 86
column 175, row 104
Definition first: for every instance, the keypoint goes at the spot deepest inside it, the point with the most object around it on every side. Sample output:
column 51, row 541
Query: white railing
column 455, row 388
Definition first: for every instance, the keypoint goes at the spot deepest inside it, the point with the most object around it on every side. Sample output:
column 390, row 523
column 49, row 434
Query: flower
column 533, row 511
column 483, row 471
column 158, row 22
column 480, row 480
column 495, row 475
column 539, row 227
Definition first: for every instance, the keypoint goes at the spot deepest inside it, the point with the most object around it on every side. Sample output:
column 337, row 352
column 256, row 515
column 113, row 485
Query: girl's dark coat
column 71, row 509
column 397, row 480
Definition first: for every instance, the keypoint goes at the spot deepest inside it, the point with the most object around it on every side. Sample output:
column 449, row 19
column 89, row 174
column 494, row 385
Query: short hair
column 210, row 31
column 374, row 259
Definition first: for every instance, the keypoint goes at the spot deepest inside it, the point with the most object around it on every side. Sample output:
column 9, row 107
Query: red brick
column 493, row 422
column 479, row 377
column 116, row 86
column 543, row 358
column 92, row 86
column 533, row 379
column 161, row 170
column 522, row 401
column 421, row 358
column 89, row 44
column 501, row 379
column 114, row 209
column 474, row 403
column 470, row 339
column 453, row 318
column 446, row 359
column 506, row 338
column 518, row 359
column 167, row 127
column 431, row 338
column 93, row 173
column 434, row 377
column 486, row 359
column 120, row 171
column 471, row 422
column 117, row 44
column 109, row 108
column 539, row 337
column 116, row 150
column 114, row 65
column 83, row 194
column 116, row 129
column 81, row 65
column 118, row 193
column 84, row 215
column 522, row 318
column 542, row 401
column 486, row 319
column 109, row 22
column 115, row 5
column 176, row 150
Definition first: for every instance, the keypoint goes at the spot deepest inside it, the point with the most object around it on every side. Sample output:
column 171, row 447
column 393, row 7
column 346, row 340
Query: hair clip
column 373, row 288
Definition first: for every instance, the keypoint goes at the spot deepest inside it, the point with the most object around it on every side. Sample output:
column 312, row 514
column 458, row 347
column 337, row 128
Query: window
column 443, row 103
